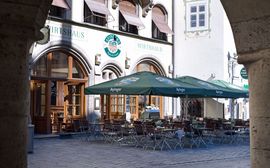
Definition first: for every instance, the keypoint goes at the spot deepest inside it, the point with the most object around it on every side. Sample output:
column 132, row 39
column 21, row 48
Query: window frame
column 156, row 33
column 92, row 17
column 123, row 24
column 197, row 13
column 57, row 12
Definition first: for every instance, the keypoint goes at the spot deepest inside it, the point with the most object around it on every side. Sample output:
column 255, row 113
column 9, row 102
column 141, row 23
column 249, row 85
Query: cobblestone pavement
column 74, row 153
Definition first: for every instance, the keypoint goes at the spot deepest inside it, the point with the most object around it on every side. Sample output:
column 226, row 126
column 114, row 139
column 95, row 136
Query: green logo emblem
column 112, row 45
column 244, row 73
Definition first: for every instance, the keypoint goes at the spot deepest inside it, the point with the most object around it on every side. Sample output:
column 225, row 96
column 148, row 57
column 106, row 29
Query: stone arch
column 113, row 66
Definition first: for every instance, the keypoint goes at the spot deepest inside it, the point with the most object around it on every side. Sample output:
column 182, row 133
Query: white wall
column 201, row 54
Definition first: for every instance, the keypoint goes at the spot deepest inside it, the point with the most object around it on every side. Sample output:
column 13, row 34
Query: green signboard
column 243, row 73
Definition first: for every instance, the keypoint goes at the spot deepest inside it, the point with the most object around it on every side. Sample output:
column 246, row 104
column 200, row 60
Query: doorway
column 57, row 98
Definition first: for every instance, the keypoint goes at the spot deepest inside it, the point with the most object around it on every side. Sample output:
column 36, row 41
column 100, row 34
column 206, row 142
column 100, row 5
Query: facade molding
column 68, row 47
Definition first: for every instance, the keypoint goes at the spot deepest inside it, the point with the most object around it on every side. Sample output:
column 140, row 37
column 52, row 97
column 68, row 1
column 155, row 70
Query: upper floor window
column 160, row 27
column 96, row 12
column 197, row 16
column 58, row 8
column 129, row 20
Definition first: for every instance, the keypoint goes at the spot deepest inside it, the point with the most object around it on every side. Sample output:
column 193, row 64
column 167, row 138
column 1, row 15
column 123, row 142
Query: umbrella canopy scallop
column 213, row 89
column 145, row 83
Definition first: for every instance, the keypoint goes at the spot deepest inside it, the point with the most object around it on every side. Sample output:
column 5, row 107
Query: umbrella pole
column 186, row 107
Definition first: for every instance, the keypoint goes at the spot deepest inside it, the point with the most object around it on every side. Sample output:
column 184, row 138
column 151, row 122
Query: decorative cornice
column 247, row 58
column 252, row 35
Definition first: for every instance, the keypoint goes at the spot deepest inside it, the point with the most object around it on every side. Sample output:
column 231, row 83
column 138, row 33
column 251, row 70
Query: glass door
column 73, row 108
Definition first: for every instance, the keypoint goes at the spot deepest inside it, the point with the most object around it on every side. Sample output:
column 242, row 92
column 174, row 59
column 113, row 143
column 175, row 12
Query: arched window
column 112, row 106
column 137, row 103
column 160, row 27
column 57, row 65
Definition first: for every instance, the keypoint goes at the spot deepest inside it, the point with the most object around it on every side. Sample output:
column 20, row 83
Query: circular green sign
column 112, row 45
column 243, row 73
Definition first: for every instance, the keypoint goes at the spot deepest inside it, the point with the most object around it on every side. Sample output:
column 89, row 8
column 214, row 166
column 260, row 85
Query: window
column 125, row 27
column 58, row 8
column 112, row 106
column 94, row 17
column 74, row 100
column 57, row 12
column 196, row 16
column 129, row 20
column 160, row 27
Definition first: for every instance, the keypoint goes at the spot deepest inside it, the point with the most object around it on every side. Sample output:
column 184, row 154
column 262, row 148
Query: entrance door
column 40, row 109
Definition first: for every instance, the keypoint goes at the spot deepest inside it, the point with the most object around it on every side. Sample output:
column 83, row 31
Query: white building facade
column 92, row 41
column 203, row 39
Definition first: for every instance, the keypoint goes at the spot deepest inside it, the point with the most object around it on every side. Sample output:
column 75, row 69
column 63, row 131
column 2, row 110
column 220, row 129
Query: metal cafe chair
column 152, row 137
column 191, row 138
column 179, row 135
column 84, row 129
column 139, row 134
column 110, row 136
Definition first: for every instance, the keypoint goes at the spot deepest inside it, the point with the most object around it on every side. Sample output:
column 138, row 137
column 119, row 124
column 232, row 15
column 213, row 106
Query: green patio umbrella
column 214, row 90
column 145, row 83
column 230, row 86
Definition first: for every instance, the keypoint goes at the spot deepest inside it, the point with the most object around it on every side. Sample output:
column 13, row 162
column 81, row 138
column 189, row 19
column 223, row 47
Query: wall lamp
column 97, row 59
column 170, row 68
column 127, row 63
column 115, row 3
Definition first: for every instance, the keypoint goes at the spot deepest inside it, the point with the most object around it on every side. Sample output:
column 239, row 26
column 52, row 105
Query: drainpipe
column 173, row 60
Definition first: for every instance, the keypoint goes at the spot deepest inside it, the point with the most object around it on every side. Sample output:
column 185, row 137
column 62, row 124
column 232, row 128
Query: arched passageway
column 250, row 24
column 250, row 20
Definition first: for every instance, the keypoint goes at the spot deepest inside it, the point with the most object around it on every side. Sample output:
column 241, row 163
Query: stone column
column 20, row 23
column 259, row 88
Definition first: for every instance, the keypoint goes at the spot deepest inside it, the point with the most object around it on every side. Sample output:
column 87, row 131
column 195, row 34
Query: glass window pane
column 193, row 17
column 201, row 20
column 201, row 16
column 193, row 20
column 76, row 70
column 144, row 67
column 53, row 92
column 78, row 110
column 193, row 9
column 201, row 8
column 40, row 67
column 59, row 65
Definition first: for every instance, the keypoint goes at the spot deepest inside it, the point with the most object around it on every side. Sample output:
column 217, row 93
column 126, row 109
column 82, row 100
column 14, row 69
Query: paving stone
column 74, row 153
